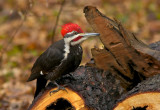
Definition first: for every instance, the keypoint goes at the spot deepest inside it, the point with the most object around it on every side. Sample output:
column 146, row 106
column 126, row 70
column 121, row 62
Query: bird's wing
column 46, row 62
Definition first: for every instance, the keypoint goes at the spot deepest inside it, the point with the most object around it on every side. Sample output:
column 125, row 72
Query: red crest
column 69, row 27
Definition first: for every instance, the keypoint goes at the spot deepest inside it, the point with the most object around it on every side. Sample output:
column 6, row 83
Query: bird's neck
column 66, row 50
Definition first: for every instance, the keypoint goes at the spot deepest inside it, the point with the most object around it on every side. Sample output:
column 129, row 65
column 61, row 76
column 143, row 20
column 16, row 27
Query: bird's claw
column 59, row 88
column 63, row 88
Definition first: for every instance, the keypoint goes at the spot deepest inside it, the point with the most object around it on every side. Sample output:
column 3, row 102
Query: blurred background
column 27, row 28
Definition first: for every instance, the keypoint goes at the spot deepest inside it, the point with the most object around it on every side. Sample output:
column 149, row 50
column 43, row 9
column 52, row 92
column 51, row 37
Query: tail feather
column 41, row 83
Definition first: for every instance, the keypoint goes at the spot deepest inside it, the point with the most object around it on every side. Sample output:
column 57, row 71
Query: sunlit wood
column 71, row 96
column 150, row 99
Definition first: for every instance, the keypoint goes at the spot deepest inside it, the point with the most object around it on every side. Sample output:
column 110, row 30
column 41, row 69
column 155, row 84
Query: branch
column 57, row 20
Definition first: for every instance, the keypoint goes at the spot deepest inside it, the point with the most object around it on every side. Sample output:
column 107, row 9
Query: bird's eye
column 75, row 32
column 71, row 33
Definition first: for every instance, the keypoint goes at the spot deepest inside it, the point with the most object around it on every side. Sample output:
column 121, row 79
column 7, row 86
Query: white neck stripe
column 66, row 50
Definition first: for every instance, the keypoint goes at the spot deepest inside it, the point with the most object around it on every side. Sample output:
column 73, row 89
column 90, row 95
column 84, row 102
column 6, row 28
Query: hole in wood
column 140, row 101
column 60, row 104
column 140, row 108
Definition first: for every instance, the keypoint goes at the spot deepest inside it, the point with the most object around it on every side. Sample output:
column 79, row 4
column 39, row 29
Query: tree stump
column 123, row 63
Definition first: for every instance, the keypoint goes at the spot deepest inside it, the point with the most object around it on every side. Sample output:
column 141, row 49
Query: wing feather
column 46, row 62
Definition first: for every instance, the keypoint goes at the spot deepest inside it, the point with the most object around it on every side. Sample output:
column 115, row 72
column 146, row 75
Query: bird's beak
column 77, row 39
column 89, row 34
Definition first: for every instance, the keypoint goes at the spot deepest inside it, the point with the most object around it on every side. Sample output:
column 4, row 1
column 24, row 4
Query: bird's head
column 73, row 34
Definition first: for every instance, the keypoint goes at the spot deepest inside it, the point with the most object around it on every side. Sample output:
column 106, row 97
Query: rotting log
column 124, row 55
column 88, row 88
column 145, row 96
column 155, row 46
column 69, row 99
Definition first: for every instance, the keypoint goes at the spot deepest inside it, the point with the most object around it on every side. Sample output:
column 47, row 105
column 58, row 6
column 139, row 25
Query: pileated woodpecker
column 61, row 58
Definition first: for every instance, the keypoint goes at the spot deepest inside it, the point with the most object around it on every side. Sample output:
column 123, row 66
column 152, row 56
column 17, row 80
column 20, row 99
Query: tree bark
column 95, row 89
column 124, row 55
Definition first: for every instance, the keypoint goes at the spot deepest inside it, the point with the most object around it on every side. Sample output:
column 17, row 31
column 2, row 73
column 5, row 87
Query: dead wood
column 124, row 55
column 88, row 89
column 145, row 95
column 94, row 89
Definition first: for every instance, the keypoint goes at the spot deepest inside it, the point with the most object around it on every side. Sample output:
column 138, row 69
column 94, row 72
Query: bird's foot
column 71, row 76
column 59, row 88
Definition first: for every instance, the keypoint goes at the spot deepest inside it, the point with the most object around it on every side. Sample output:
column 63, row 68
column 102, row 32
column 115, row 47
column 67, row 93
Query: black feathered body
column 53, row 65
column 51, row 61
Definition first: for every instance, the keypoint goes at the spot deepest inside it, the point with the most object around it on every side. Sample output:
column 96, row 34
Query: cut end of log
column 140, row 101
column 58, row 100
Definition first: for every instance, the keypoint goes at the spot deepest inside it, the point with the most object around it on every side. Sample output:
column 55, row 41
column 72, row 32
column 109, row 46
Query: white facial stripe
column 69, row 39
column 67, row 44
column 78, row 41
column 70, row 32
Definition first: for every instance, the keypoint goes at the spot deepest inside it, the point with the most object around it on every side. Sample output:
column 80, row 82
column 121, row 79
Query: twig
column 56, row 23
